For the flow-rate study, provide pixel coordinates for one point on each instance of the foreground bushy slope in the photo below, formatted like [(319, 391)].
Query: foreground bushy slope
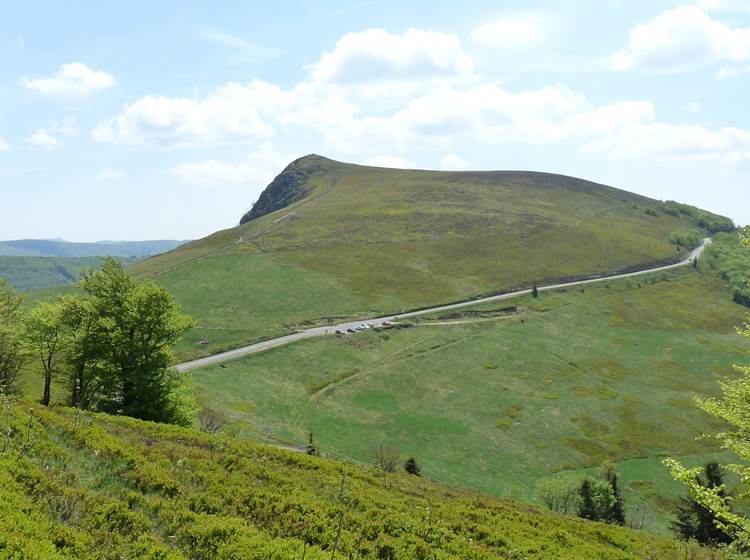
[(74, 486), (329, 239)]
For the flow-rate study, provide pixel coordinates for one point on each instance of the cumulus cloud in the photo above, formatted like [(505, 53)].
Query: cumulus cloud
[(75, 78), (47, 138), (390, 161), (675, 143), (227, 114), (43, 140), (453, 162), (681, 39), (375, 55), (258, 169), (508, 32), (328, 108)]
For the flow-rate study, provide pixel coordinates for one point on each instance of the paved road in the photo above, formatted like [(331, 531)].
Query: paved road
[(322, 331)]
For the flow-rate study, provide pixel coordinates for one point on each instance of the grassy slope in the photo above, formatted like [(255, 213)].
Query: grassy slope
[(34, 273), (97, 487), (373, 240), (577, 378)]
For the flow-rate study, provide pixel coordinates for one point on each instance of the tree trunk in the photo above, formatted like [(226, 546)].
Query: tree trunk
[(47, 384)]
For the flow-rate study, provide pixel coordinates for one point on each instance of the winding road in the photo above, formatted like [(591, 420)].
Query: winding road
[(378, 321)]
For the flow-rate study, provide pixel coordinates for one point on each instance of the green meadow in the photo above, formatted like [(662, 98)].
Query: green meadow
[(497, 399)]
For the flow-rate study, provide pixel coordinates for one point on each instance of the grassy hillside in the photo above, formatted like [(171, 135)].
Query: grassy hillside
[(34, 273), (93, 487), (60, 248), (497, 399), (342, 240)]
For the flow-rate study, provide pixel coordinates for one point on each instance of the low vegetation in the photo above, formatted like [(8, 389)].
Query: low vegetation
[(86, 486)]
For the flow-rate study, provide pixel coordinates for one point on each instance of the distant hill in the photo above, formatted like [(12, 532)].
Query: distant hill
[(34, 273), (61, 248), (332, 239)]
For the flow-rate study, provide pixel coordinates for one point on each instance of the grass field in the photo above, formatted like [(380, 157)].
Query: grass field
[(36, 273), (88, 487), (500, 401), (368, 240)]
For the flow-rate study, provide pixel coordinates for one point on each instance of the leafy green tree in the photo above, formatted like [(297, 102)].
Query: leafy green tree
[(118, 339), (694, 520), (734, 409), (597, 500), (47, 337), (137, 325), (412, 467), (560, 494), (12, 356)]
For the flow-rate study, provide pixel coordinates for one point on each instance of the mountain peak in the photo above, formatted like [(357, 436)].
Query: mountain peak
[(289, 186)]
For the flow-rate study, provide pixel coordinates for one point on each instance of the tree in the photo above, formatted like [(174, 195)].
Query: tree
[(118, 346), (587, 507), (385, 457), (535, 291), (46, 335), (734, 409), (597, 500), (616, 512), (412, 467), (12, 356), (211, 421), (311, 448), (560, 494), (694, 520)]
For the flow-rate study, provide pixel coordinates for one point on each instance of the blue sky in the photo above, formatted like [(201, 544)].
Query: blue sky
[(166, 119)]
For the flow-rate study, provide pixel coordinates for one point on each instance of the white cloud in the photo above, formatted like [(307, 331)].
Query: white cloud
[(675, 143), (47, 138), (109, 174), (508, 32), (258, 169), (43, 140), (75, 78), (439, 117), (681, 39), (228, 114), (375, 55), (453, 162), (390, 161), (4, 145), (725, 5)]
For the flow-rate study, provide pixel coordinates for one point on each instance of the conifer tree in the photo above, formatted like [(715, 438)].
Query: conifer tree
[(412, 467)]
